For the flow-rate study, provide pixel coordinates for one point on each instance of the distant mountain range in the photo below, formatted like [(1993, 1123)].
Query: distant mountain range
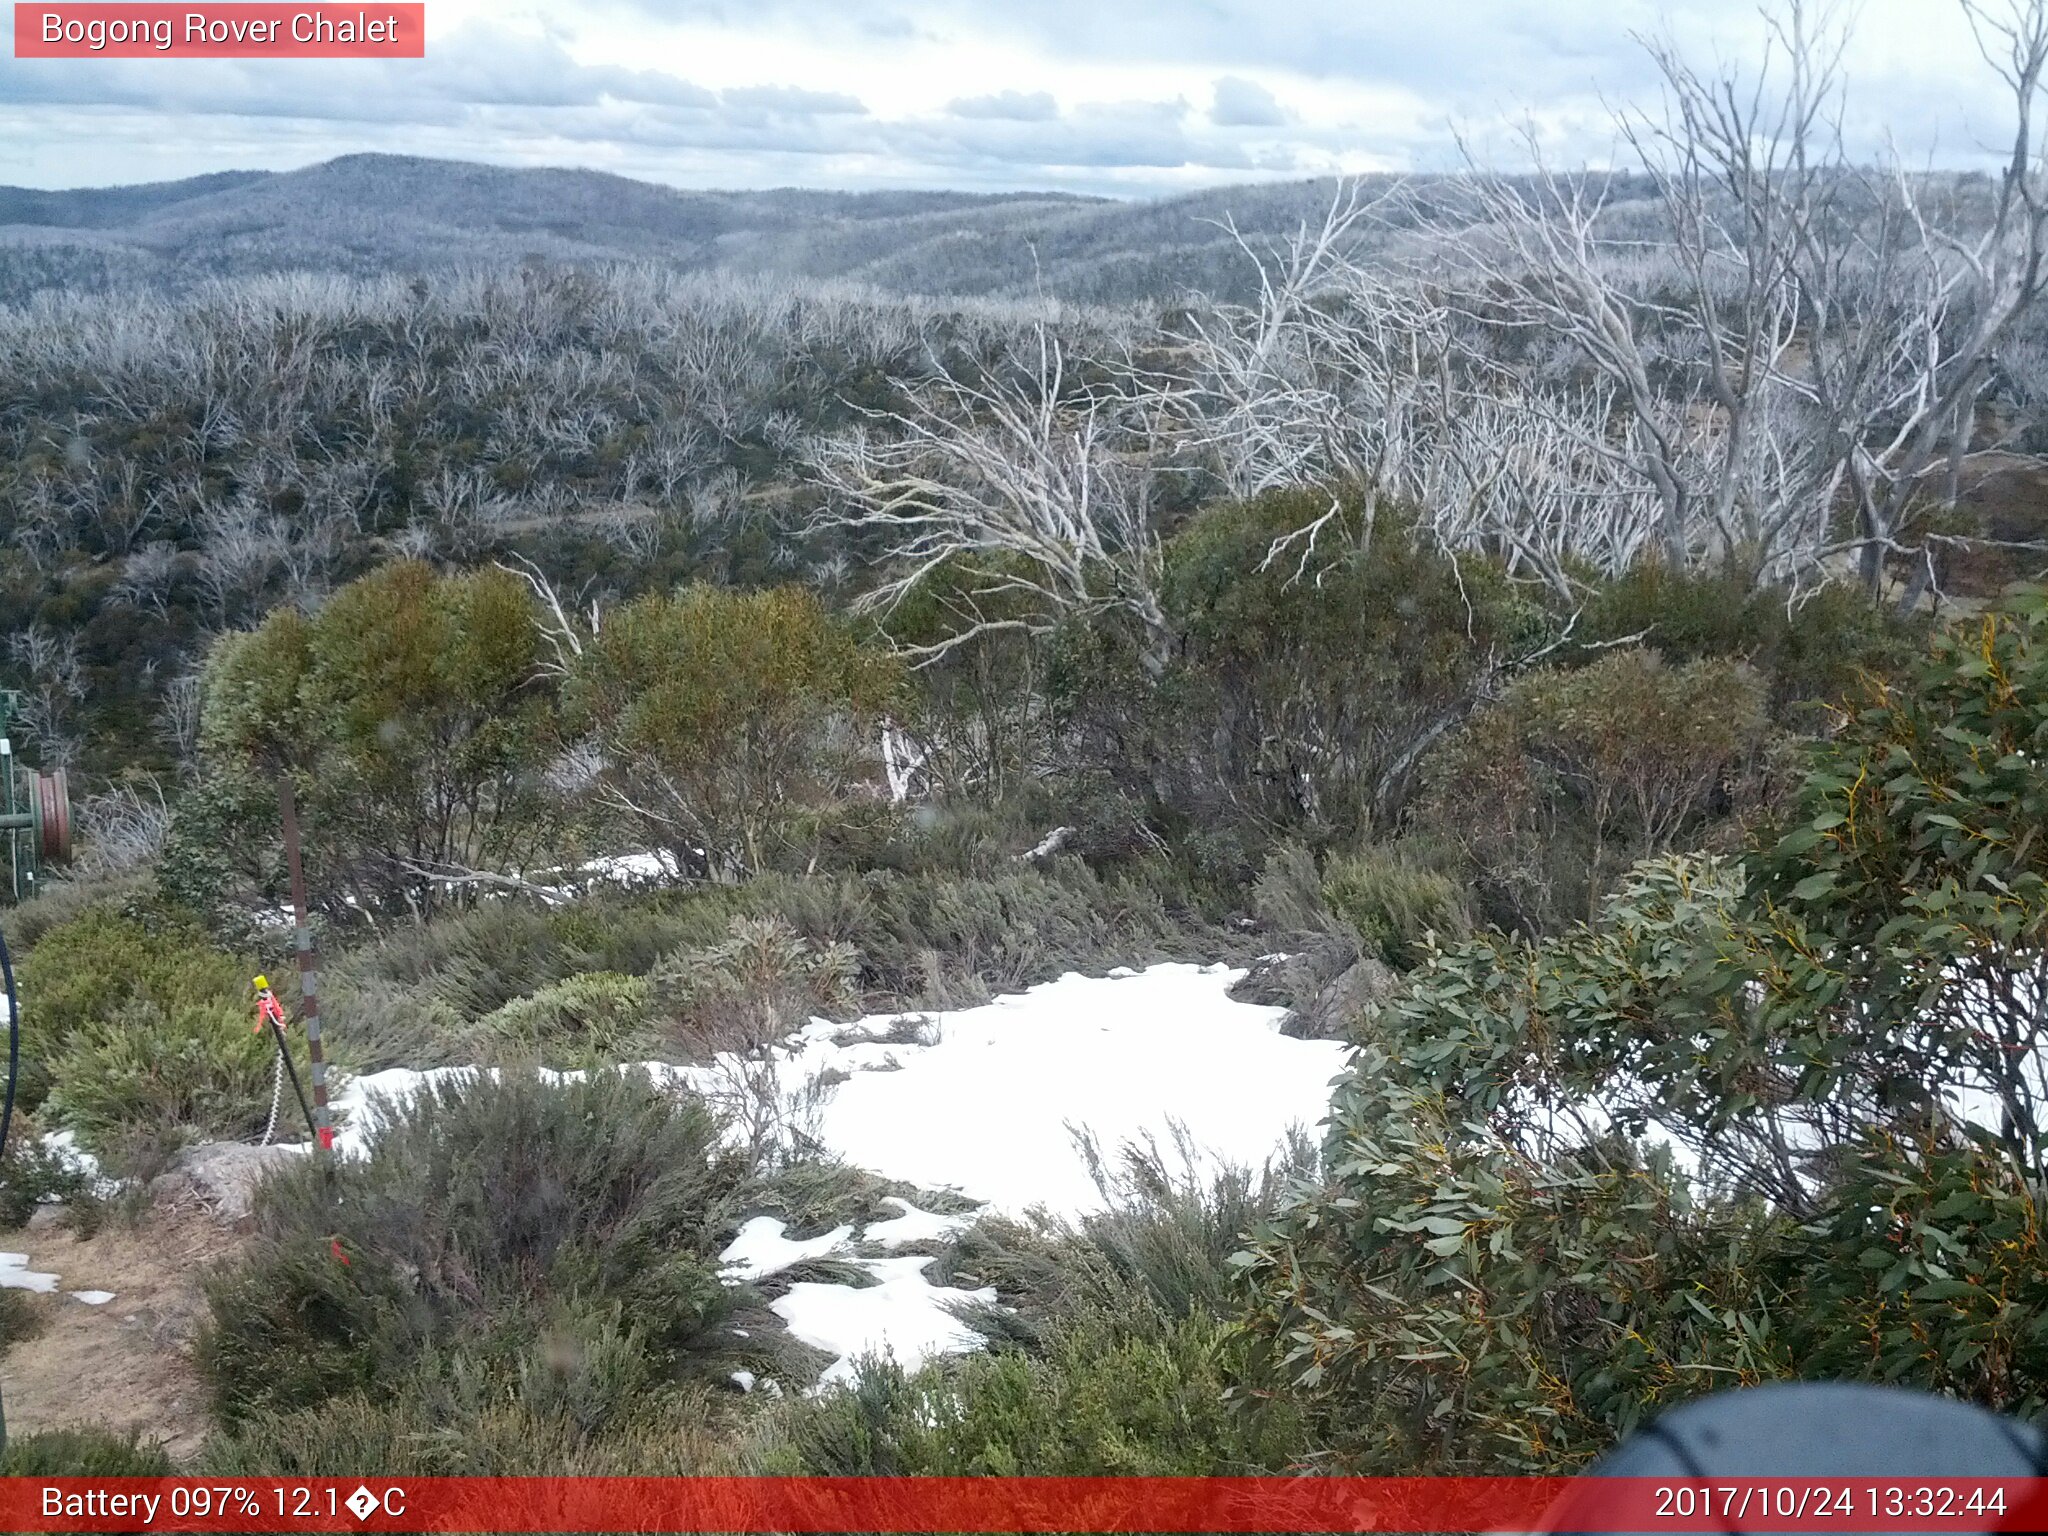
[(379, 214)]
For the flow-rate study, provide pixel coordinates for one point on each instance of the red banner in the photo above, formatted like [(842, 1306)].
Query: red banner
[(217, 31), (1023, 1504)]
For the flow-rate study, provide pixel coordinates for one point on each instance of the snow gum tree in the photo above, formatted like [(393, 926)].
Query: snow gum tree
[(1840, 1033), (732, 725), (410, 713)]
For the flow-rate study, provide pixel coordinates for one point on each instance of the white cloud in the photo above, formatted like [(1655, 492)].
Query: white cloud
[(1241, 103), (1069, 94), (1007, 106)]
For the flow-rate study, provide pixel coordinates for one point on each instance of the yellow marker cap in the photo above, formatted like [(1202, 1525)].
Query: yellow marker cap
[(262, 983)]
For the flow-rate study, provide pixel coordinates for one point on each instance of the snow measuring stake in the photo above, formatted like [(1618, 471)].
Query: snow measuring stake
[(269, 1011), (35, 813), (309, 964)]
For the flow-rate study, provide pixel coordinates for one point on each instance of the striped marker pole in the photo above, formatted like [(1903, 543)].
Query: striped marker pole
[(309, 965)]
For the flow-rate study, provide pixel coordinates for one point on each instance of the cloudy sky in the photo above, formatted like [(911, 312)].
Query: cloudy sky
[(1123, 97)]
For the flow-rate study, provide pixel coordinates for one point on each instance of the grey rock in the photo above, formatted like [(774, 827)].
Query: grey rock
[(1294, 979), (1338, 1008), (48, 1217), (220, 1176)]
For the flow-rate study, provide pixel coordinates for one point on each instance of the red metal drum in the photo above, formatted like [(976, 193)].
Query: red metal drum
[(53, 815)]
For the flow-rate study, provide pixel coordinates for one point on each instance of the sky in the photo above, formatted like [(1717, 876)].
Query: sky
[(1126, 98)]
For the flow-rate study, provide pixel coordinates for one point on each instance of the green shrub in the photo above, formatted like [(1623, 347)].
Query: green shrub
[(763, 981), (32, 1173), (60, 901), (1813, 651), (415, 722), (1574, 774), (586, 1019), (83, 1451), (1116, 1392), (1301, 687), (199, 1070), (147, 1027), (1482, 1281), (371, 1024), (495, 1227), (1494, 1275), (84, 969), (1391, 901), (736, 721)]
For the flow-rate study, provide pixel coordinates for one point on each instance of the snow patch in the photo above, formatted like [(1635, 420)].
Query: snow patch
[(63, 1145), (628, 868), (15, 1275), (761, 1249), (993, 1108), (94, 1298), (903, 1315), (915, 1226)]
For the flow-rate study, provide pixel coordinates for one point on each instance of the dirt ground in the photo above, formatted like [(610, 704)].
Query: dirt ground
[(128, 1363)]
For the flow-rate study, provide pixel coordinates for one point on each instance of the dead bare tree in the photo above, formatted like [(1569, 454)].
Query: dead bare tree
[(55, 683), (1810, 336), (1317, 380), (1032, 489)]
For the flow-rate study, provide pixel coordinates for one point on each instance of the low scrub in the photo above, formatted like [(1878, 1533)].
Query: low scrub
[(83, 1451), (580, 1022), (1113, 1355), (761, 982), (552, 1245), (1391, 901), (922, 941), (1575, 773), (145, 1026), (199, 1072), (453, 1435), (1124, 1391)]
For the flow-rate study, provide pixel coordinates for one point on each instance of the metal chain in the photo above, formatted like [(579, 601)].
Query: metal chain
[(276, 1098)]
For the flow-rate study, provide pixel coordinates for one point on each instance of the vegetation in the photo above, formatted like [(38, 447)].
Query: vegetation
[(730, 724), (144, 1028), (571, 1272), (1593, 709), (1838, 1030)]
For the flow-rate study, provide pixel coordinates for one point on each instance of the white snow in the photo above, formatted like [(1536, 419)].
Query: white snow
[(744, 1380), (915, 1226), (761, 1249), (64, 1146), (993, 1107), (94, 1298), (990, 1102), (15, 1275), (353, 1104), (659, 864), (904, 1315)]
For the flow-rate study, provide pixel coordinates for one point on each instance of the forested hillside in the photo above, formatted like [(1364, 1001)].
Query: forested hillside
[(1567, 647), (377, 215)]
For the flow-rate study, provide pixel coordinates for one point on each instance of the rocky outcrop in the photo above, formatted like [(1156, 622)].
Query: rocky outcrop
[(1323, 983), (218, 1176)]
